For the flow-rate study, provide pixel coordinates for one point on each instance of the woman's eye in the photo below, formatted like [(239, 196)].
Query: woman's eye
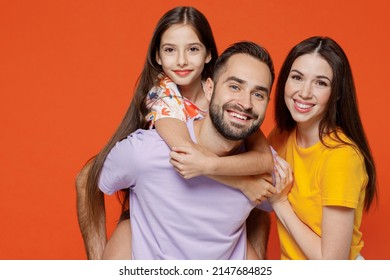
[(322, 83), (296, 77)]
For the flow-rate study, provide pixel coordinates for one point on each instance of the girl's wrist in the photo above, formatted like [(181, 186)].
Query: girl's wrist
[(211, 165)]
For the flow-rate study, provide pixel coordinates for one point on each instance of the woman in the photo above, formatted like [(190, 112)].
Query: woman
[(320, 134)]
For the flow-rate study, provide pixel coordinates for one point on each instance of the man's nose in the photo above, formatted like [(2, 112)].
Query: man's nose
[(245, 100)]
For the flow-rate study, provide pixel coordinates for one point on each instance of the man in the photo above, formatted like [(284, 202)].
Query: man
[(198, 218)]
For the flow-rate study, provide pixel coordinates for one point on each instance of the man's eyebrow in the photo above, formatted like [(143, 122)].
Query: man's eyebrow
[(241, 81), (236, 79)]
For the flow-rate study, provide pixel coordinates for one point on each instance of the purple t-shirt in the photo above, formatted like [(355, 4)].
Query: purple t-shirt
[(171, 217)]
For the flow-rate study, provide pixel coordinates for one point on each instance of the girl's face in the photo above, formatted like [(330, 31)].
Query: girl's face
[(182, 55), (308, 88)]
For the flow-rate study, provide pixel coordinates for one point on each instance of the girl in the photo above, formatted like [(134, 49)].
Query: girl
[(320, 135), (182, 52)]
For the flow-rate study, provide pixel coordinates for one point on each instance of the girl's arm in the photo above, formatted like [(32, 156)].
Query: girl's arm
[(257, 160), (174, 132), (195, 161), (194, 157), (337, 224)]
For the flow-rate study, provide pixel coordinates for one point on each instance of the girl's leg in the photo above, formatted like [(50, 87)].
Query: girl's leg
[(118, 246), (250, 252)]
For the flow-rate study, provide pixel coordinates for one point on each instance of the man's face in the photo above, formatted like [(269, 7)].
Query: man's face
[(240, 97)]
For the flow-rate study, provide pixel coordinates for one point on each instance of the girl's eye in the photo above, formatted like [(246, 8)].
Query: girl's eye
[(194, 49), (168, 50)]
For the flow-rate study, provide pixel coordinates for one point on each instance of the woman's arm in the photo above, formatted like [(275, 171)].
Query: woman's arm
[(337, 227), (337, 223)]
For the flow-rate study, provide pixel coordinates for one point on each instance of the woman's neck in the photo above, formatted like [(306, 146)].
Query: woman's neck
[(307, 135)]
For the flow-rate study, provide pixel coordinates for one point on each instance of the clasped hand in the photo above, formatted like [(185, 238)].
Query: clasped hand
[(191, 161)]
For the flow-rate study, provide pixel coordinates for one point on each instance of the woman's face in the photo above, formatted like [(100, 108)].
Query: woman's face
[(308, 88), (182, 55)]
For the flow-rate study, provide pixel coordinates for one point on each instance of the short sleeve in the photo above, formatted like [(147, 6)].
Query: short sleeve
[(165, 101), (343, 177), (120, 167)]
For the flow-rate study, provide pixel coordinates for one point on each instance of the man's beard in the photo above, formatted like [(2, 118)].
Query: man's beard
[(233, 131)]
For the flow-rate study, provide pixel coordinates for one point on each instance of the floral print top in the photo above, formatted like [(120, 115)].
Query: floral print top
[(165, 101)]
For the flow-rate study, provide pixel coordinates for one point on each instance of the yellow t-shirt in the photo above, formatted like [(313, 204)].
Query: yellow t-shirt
[(322, 177)]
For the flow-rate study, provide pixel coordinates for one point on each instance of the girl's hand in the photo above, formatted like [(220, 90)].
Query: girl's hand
[(283, 180), (191, 161), (258, 188)]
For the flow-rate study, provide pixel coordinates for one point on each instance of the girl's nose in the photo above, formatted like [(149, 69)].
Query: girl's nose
[(182, 59)]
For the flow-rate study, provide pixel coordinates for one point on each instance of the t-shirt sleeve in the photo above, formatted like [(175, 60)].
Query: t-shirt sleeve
[(120, 167), (165, 101), (343, 177)]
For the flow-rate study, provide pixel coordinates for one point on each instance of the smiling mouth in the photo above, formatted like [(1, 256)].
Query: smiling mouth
[(303, 106), (239, 116), (182, 72)]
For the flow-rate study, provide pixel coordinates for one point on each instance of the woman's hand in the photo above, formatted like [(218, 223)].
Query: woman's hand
[(192, 161), (258, 188), (283, 180)]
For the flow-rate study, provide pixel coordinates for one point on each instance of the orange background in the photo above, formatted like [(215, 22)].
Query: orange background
[(67, 70)]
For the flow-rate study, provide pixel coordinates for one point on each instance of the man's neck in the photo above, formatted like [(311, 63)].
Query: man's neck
[(208, 137)]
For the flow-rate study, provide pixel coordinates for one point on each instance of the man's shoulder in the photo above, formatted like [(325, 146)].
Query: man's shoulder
[(140, 141), (144, 138), (144, 135)]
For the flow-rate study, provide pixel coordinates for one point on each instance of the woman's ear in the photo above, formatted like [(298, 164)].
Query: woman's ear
[(208, 87), (158, 59)]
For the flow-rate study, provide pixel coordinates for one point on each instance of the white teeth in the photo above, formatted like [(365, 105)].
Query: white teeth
[(239, 116), (303, 106)]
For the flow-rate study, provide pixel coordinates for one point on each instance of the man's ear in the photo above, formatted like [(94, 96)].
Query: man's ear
[(208, 87), (158, 59)]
